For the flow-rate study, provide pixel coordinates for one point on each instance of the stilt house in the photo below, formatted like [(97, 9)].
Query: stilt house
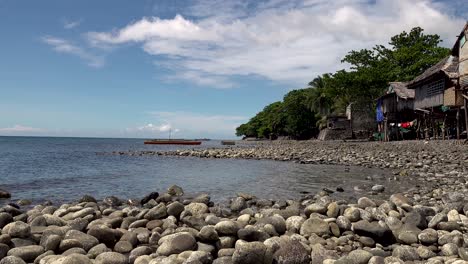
[(396, 106), (460, 50)]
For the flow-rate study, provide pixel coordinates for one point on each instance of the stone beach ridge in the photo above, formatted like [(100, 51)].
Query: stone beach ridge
[(427, 223)]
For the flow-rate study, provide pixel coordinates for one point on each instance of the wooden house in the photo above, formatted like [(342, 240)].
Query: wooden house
[(396, 106), (398, 103), (436, 98), (430, 86), (460, 50)]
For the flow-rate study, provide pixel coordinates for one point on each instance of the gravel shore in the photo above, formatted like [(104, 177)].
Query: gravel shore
[(427, 223)]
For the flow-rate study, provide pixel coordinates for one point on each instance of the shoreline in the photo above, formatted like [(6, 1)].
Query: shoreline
[(427, 223)]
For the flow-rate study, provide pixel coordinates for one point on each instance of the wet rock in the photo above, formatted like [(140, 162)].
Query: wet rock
[(238, 204), (374, 230), (175, 190), (112, 201), (400, 200), (199, 257), (176, 243), (27, 253), (12, 260), (251, 253), (320, 254), (353, 214), (405, 253), (428, 236), (157, 212), (343, 223), (104, 234), (175, 209), (294, 223), (17, 229), (208, 233), (291, 252), (197, 209), (111, 258), (251, 234), (4, 194), (87, 199), (449, 249), (365, 202), (227, 228), (87, 241), (202, 198), (147, 198), (315, 208), (3, 250), (277, 221), (73, 259), (139, 251), (123, 247), (437, 219), (5, 218), (355, 257), (425, 252), (66, 244), (314, 226), (378, 188), (97, 250), (415, 218), (463, 253)]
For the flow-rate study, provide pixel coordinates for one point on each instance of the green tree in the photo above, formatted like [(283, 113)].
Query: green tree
[(370, 70), (299, 119)]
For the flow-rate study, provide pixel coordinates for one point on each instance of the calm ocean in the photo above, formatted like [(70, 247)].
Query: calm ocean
[(64, 169)]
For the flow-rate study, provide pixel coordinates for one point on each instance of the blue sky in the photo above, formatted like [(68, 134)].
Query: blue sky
[(140, 68)]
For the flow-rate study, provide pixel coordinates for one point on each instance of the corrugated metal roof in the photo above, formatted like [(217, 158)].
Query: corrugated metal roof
[(448, 65)]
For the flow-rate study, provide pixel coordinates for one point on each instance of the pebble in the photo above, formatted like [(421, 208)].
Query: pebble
[(425, 222)]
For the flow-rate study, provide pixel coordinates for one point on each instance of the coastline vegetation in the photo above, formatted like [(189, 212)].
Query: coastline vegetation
[(302, 112)]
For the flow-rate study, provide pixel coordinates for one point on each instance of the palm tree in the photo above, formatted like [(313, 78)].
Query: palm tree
[(319, 101)]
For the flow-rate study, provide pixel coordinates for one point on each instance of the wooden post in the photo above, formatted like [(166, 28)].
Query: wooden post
[(466, 113), (458, 123), (443, 127), (386, 136), (426, 128), (418, 130)]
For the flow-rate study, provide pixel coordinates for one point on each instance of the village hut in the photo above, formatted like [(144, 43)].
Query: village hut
[(394, 108), (433, 93), (460, 50)]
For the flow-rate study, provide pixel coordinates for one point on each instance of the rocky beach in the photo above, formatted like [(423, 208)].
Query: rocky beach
[(427, 222)]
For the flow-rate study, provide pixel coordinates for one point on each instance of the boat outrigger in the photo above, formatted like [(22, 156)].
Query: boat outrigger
[(172, 142)]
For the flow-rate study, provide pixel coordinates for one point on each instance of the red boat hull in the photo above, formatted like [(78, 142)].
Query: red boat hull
[(172, 142)]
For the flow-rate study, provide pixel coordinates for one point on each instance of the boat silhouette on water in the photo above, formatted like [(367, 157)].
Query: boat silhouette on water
[(173, 142)]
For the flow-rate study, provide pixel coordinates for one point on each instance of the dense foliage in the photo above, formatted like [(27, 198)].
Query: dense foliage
[(302, 111)]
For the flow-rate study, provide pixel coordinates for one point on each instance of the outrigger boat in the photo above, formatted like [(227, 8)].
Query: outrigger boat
[(172, 142)]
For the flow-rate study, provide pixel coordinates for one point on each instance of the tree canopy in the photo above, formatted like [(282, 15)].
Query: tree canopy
[(301, 112)]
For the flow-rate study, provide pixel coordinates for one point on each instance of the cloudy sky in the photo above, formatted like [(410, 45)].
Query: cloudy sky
[(125, 68)]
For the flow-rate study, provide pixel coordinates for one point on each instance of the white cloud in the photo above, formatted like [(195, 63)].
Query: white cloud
[(203, 79), (201, 124), (65, 46), (190, 125), (154, 128), (71, 24), (20, 129), (286, 41)]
